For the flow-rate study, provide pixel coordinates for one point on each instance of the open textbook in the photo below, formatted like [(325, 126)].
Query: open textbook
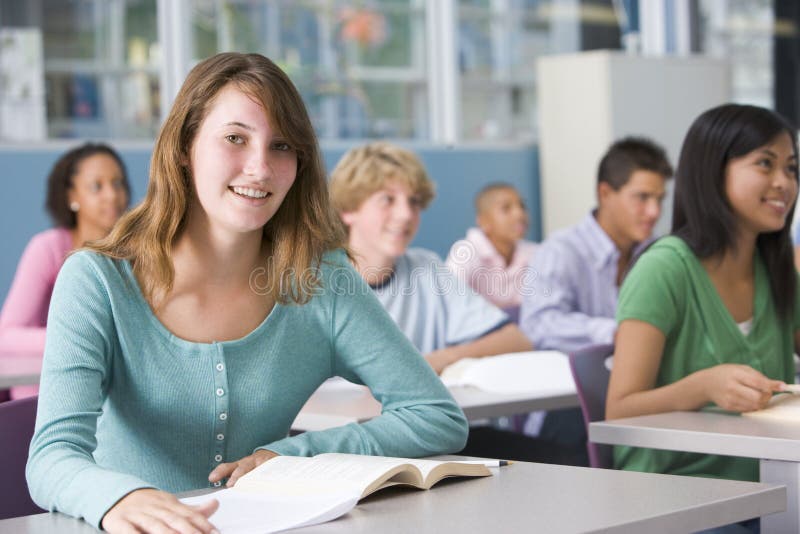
[(541, 371), (289, 491), (783, 406)]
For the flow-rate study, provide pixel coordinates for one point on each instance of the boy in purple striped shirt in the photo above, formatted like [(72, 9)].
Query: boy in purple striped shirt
[(578, 270)]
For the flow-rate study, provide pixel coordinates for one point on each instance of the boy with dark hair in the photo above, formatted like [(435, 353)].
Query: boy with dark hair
[(578, 270)]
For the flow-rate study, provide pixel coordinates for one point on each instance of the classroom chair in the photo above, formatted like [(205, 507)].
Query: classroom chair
[(513, 313), (591, 380), (17, 419)]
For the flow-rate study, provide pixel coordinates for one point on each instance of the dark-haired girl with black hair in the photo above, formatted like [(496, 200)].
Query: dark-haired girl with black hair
[(709, 314), (87, 191)]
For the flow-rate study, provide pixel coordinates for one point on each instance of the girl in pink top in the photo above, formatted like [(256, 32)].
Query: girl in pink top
[(493, 258), (87, 191)]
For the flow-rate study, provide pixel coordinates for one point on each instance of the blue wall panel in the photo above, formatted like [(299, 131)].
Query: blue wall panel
[(458, 172)]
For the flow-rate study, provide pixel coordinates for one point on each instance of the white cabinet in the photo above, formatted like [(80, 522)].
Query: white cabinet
[(589, 99), (22, 92)]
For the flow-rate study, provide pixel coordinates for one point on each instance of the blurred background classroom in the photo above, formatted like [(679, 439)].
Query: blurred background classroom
[(529, 92)]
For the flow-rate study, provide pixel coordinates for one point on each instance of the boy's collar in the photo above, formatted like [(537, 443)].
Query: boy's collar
[(383, 283)]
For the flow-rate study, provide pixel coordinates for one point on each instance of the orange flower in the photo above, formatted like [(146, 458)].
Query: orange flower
[(365, 26)]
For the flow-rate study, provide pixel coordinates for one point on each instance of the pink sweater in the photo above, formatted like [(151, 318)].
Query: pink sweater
[(24, 314), (475, 260)]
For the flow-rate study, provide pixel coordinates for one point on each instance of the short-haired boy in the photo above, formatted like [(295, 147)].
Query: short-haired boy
[(380, 190), (579, 269), (493, 257)]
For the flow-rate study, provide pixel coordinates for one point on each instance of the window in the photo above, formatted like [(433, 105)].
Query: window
[(359, 66), (439, 70), (741, 31), (98, 60), (498, 43)]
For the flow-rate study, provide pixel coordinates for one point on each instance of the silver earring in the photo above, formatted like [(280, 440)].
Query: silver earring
[(74, 206)]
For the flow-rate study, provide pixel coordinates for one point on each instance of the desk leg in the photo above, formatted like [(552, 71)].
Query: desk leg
[(787, 474)]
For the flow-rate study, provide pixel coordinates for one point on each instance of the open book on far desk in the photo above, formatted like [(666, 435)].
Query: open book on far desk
[(289, 492), (541, 371)]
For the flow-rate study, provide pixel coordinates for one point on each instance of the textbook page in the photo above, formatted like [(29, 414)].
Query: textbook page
[(783, 407), (288, 491), (539, 372), (246, 513), (320, 473), (361, 473)]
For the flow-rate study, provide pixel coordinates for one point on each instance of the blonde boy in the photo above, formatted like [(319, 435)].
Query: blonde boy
[(379, 191)]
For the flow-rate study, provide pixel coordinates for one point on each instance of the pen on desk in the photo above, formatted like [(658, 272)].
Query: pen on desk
[(489, 463)]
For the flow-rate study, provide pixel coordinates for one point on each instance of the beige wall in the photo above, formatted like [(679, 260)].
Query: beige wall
[(587, 100)]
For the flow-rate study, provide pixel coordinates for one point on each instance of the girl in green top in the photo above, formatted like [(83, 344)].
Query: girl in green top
[(709, 314)]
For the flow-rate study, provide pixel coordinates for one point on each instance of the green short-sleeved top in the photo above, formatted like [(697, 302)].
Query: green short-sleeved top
[(670, 289)]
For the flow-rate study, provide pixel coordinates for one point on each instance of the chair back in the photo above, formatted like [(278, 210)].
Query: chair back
[(513, 313), (17, 419), (591, 381)]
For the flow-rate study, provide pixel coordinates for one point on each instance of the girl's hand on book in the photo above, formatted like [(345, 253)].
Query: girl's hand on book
[(150, 510), (739, 388), (234, 470)]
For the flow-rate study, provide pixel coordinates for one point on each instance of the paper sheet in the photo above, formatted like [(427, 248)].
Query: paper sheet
[(522, 372), (243, 513), (783, 407)]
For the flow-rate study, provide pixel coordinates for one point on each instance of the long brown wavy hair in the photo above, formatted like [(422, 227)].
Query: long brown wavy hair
[(304, 227)]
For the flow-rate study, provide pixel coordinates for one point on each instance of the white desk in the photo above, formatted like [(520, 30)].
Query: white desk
[(527, 497), (335, 406), (19, 370), (775, 444)]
